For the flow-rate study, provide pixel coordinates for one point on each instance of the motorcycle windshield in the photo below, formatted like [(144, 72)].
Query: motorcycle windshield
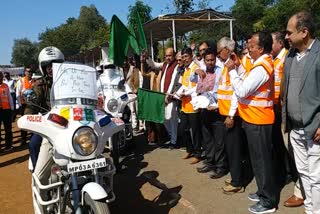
[(73, 84), (109, 79)]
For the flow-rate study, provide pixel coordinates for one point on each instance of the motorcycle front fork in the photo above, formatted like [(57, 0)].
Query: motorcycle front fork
[(76, 194)]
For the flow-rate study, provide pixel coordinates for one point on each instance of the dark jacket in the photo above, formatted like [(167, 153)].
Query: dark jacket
[(309, 95)]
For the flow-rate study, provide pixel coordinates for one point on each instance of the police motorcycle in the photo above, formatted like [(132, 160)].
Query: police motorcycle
[(81, 178), (112, 92)]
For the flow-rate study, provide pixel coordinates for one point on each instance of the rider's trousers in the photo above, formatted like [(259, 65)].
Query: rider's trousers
[(44, 163)]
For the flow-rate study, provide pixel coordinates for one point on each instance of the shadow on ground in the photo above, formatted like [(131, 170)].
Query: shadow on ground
[(128, 184)]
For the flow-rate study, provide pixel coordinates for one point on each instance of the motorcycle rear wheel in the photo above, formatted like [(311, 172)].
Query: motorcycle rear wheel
[(94, 207)]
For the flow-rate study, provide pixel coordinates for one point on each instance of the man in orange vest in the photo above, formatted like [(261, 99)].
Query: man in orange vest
[(255, 106), (246, 59), (24, 83), (230, 124), (6, 107), (189, 117)]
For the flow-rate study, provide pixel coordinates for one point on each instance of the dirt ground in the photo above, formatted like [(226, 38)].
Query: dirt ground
[(154, 181)]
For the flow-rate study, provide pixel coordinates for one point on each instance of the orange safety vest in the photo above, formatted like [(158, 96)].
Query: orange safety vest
[(278, 64), (186, 106), (258, 107), (25, 85), (224, 93), (247, 62), (4, 96)]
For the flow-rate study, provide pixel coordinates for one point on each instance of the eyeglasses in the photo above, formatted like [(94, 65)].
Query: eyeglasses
[(218, 53)]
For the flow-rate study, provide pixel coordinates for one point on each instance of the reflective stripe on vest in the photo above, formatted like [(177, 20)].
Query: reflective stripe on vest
[(224, 93), (4, 96), (278, 73), (186, 106), (258, 107)]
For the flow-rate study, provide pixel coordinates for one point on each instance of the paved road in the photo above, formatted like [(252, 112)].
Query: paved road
[(155, 181)]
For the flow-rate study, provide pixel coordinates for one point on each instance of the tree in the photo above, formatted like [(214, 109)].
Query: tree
[(276, 17), (24, 53), (247, 13), (144, 11), (183, 6), (88, 31)]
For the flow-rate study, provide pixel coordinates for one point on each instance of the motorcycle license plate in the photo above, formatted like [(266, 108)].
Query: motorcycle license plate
[(87, 165)]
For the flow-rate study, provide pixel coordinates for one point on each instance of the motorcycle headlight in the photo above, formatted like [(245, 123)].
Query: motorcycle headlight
[(112, 105), (84, 141)]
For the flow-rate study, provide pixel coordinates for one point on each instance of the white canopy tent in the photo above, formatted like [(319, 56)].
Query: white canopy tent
[(13, 71), (164, 26)]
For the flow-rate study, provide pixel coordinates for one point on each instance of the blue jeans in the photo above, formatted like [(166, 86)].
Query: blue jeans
[(34, 148)]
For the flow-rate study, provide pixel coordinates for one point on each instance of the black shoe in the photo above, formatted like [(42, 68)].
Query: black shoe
[(259, 209), (204, 169), (254, 197), (8, 147), (217, 174), (172, 146)]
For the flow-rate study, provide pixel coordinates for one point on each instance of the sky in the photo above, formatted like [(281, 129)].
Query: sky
[(27, 19)]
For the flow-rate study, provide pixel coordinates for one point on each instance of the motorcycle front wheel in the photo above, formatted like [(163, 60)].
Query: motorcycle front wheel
[(94, 207)]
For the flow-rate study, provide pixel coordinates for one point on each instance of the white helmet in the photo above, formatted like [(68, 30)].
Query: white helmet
[(47, 56)]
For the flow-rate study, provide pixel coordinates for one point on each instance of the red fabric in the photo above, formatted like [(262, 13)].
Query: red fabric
[(168, 76)]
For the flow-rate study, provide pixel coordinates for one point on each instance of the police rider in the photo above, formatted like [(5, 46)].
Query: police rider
[(39, 147)]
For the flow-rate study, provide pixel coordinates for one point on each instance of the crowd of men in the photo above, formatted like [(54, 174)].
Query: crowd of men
[(232, 112), (228, 110), (12, 102)]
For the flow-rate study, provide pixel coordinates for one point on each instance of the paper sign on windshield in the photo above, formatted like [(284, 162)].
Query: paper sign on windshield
[(74, 80)]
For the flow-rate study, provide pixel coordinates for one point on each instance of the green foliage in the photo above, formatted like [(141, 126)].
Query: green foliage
[(276, 17), (144, 11), (24, 53), (247, 13), (183, 6), (88, 31)]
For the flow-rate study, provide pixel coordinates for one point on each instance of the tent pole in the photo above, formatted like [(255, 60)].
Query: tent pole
[(231, 33), (174, 36), (151, 45)]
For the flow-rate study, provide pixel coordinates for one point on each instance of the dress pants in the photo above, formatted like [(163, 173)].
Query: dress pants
[(213, 137), (238, 155), (34, 148), (6, 118), (171, 125), (192, 121), (260, 148), (280, 153), (307, 157), (297, 191)]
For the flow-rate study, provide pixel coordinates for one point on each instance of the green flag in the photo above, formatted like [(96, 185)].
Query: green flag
[(142, 37), (120, 38), (133, 41), (151, 105)]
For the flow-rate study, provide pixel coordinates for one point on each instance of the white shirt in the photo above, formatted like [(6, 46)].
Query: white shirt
[(10, 84), (301, 55), (244, 87), (153, 64)]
